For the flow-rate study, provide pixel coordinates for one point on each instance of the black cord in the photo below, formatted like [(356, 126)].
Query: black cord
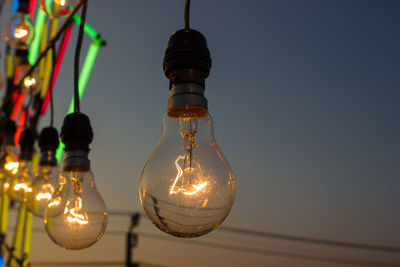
[(77, 57), (187, 15), (53, 52)]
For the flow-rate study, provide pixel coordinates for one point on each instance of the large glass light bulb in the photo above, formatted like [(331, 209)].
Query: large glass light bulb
[(76, 216), (187, 187), (57, 8), (19, 31), (43, 187)]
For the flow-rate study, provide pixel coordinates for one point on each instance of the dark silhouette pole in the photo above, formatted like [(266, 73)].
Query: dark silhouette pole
[(131, 241)]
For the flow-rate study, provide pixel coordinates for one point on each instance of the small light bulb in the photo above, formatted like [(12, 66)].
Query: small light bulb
[(19, 31), (32, 84), (57, 8), (45, 182), (76, 216)]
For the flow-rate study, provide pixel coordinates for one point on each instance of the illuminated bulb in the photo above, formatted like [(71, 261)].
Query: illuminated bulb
[(32, 83), (19, 31), (57, 8), (187, 187), (45, 181), (76, 216), (18, 184), (8, 156)]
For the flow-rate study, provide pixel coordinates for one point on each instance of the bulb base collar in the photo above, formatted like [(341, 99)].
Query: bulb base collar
[(48, 158), (26, 142), (187, 100), (23, 6), (76, 160)]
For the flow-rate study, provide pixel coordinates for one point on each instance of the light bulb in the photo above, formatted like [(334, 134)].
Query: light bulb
[(32, 83), (57, 8), (18, 185), (187, 187), (19, 31), (45, 181), (76, 216), (8, 156)]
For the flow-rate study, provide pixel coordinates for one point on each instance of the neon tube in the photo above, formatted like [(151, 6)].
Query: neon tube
[(32, 5), (83, 80), (49, 61), (14, 7), (17, 107), (57, 67), (18, 236), (27, 238), (4, 212), (34, 48), (20, 127), (89, 30)]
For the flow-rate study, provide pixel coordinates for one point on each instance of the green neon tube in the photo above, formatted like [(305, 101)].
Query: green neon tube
[(19, 230), (83, 80), (89, 30), (34, 48)]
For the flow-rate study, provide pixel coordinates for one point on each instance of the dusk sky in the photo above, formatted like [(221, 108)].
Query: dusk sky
[(305, 100)]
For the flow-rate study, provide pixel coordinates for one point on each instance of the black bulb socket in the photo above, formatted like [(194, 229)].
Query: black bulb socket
[(77, 132), (23, 6), (187, 64), (9, 129), (48, 143), (26, 143)]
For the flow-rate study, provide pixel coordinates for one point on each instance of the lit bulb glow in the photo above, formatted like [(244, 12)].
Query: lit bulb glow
[(180, 176), (187, 187), (29, 81), (12, 167), (42, 196), (23, 186), (73, 215), (76, 216), (20, 32)]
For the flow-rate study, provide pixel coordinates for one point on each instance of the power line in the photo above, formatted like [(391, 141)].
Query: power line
[(294, 238), (234, 248), (271, 252), (90, 263)]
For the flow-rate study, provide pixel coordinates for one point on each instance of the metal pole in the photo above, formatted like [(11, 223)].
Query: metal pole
[(131, 241)]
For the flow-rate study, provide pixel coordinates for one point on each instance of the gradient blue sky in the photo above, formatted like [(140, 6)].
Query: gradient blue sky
[(305, 100)]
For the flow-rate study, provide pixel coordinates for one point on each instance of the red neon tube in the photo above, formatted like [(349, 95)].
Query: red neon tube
[(57, 66), (32, 5), (20, 127)]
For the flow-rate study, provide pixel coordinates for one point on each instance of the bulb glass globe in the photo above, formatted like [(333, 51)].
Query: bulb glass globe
[(76, 216), (19, 31), (43, 187), (187, 187), (32, 83), (9, 166), (57, 8), (18, 185)]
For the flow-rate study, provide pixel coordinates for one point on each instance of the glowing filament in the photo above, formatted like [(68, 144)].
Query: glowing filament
[(61, 2), (29, 82), (73, 214), (20, 32), (198, 187), (20, 186), (54, 203), (12, 167), (41, 196)]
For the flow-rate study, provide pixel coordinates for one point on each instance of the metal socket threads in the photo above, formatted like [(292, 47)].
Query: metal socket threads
[(76, 134), (187, 64)]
